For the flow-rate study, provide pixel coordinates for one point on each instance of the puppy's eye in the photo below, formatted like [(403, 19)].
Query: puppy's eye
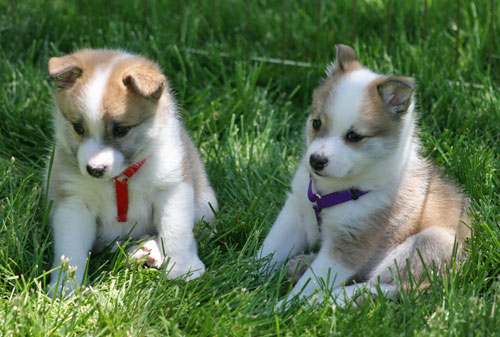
[(120, 131), (316, 124), (353, 137), (78, 127)]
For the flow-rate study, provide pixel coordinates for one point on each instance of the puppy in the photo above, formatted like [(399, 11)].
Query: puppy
[(123, 166), (382, 213)]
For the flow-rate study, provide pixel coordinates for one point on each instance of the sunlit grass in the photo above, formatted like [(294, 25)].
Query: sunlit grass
[(247, 118)]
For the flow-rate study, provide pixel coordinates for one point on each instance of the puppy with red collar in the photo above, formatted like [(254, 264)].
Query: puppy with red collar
[(124, 166), (379, 209)]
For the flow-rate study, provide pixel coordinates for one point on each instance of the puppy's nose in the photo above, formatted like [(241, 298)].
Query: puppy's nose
[(96, 172), (318, 162)]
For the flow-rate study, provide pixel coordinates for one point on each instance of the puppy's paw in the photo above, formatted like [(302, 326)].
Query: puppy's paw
[(62, 288), (188, 268), (298, 266), (148, 253), (63, 280), (191, 275)]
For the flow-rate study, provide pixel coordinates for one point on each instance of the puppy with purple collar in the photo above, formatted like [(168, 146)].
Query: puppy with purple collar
[(378, 208), (124, 166)]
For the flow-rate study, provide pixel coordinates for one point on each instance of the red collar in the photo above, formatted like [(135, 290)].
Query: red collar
[(122, 190)]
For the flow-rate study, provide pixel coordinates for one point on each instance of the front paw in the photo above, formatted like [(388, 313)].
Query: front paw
[(267, 263), (61, 285), (148, 253), (63, 280), (298, 266), (151, 254), (190, 268), (55, 290)]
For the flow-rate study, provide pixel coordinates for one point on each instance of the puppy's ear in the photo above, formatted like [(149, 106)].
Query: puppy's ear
[(64, 70), (345, 60), (396, 94), (145, 81)]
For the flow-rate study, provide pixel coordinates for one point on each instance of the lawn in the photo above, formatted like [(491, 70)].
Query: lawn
[(246, 114)]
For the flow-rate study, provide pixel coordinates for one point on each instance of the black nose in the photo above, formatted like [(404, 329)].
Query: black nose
[(318, 162), (96, 172)]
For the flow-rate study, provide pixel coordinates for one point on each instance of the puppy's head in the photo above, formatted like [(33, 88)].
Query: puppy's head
[(357, 120), (106, 106)]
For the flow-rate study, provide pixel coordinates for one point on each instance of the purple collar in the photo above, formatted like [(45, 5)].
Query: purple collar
[(332, 199)]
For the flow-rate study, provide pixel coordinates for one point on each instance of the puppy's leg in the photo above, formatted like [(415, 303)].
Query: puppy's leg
[(434, 244), (324, 274), (148, 252), (74, 231), (174, 219), (289, 234)]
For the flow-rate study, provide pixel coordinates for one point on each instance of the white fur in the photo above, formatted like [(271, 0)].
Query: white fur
[(344, 110), (158, 183), (93, 95), (94, 154), (345, 101), (324, 273), (74, 230), (296, 228), (161, 203), (91, 100)]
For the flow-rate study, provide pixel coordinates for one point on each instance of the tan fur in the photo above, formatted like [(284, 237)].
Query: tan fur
[(146, 82), (375, 123), (328, 87), (137, 73), (191, 164), (427, 209), (114, 109), (426, 200), (136, 84), (85, 59), (346, 59), (346, 62)]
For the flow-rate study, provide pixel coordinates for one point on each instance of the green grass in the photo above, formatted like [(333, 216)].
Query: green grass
[(247, 118)]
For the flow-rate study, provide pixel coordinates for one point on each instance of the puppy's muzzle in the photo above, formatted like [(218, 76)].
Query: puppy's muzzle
[(96, 172), (318, 162)]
